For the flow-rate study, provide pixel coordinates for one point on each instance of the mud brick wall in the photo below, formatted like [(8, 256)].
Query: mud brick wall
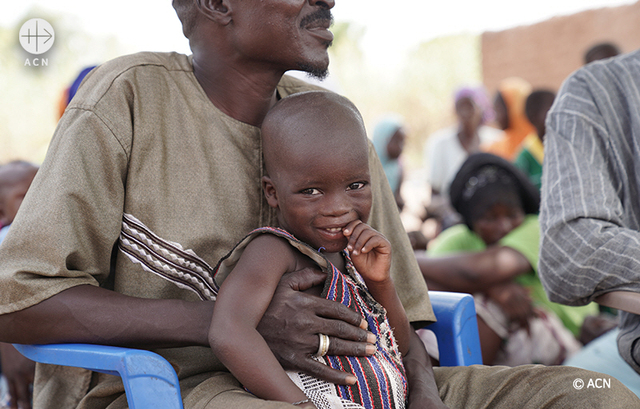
[(546, 53)]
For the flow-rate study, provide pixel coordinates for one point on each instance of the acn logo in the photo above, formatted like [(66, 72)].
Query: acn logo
[(36, 36)]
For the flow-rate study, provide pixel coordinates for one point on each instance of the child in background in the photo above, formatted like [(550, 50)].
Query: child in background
[(16, 371), (315, 151), (389, 137), (15, 179), (530, 157)]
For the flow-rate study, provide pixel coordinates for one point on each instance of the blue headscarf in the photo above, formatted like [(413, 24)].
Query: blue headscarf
[(382, 133)]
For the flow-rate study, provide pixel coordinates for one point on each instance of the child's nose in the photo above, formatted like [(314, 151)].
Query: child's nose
[(336, 205)]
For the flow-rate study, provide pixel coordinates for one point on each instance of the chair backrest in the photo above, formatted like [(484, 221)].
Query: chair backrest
[(456, 329)]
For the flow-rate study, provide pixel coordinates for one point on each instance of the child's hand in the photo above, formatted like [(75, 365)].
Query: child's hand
[(370, 251)]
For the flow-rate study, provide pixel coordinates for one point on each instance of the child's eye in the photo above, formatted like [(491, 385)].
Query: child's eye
[(356, 186), (310, 191)]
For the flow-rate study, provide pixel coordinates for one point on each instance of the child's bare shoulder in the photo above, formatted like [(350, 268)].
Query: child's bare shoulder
[(277, 250)]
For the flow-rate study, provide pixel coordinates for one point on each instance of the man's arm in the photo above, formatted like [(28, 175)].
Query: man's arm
[(94, 315), (589, 207), (423, 391), (90, 314)]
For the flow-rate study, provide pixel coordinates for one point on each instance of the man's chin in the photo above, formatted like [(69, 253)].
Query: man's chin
[(316, 72)]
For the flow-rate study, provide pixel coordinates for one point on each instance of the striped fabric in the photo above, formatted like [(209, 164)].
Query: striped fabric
[(590, 212), (381, 378)]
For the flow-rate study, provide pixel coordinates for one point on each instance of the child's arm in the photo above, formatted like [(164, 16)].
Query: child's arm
[(242, 300), (370, 252)]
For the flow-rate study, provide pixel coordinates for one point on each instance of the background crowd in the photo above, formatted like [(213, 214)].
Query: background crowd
[(476, 228)]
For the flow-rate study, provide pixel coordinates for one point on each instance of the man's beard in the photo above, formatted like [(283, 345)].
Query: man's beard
[(319, 73), (316, 72)]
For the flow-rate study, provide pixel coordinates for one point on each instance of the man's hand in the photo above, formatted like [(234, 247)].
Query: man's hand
[(19, 372), (370, 251), (291, 325)]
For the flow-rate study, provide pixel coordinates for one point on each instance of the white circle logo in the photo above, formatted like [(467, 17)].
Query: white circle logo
[(36, 36), (578, 383)]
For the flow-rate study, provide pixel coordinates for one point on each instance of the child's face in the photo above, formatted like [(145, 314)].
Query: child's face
[(11, 200), (396, 144), (317, 194)]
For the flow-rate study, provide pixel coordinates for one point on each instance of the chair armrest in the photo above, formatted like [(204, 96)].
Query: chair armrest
[(149, 380), (621, 300), (456, 329)]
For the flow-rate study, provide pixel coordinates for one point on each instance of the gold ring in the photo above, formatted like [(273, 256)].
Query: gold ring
[(323, 347)]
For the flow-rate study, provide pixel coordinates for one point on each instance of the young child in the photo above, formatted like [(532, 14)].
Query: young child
[(316, 156), (15, 179), (531, 155)]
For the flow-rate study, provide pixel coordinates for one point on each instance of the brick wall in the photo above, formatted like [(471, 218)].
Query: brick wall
[(546, 53)]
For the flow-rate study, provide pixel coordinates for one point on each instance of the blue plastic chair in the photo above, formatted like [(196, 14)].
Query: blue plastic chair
[(150, 382), (456, 329)]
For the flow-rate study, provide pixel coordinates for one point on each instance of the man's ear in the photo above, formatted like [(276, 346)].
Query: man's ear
[(216, 10), (270, 191)]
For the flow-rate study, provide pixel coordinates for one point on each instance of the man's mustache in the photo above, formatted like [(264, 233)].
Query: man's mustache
[(320, 15)]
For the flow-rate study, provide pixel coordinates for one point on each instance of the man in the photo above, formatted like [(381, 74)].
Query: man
[(155, 171), (590, 215)]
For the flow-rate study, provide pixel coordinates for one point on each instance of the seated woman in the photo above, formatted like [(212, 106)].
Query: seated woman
[(494, 255)]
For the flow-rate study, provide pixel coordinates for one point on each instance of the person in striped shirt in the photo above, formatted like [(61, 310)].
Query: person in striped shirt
[(590, 213)]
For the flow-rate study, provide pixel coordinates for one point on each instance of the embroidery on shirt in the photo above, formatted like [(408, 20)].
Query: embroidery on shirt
[(166, 259)]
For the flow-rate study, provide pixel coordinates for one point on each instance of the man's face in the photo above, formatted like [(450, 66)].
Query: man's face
[(288, 34)]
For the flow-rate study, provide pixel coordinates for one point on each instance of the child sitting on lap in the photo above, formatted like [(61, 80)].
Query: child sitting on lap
[(316, 156)]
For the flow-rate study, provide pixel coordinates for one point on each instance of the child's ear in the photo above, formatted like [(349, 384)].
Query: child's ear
[(270, 191)]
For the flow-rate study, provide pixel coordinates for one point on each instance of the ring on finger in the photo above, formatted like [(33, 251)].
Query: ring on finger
[(323, 347)]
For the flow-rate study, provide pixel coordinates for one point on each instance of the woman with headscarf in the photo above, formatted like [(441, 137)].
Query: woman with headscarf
[(509, 107), (494, 255), (448, 148), (388, 138)]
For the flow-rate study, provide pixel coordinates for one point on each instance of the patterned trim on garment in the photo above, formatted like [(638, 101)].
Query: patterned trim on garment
[(381, 378), (166, 259)]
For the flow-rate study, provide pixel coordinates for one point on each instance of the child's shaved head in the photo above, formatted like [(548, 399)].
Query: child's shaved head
[(309, 124)]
